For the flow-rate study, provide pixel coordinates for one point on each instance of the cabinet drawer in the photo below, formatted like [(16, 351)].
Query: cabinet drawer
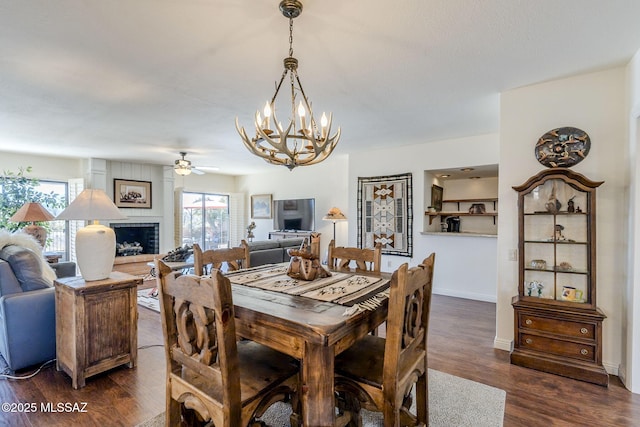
[(560, 327), (558, 347)]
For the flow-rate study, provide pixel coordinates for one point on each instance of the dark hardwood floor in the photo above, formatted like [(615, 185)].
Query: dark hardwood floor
[(460, 343)]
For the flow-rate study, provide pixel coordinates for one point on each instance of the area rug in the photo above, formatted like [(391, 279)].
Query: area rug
[(147, 299), (385, 213), (453, 402)]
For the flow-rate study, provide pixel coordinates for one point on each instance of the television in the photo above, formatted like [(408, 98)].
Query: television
[(294, 214)]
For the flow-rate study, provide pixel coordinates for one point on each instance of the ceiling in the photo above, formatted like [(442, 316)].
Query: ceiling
[(142, 80)]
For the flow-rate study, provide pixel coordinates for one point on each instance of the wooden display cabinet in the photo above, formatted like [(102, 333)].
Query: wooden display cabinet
[(558, 326)]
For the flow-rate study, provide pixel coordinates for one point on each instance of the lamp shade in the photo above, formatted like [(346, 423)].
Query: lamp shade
[(90, 205), (32, 212), (334, 214), (95, 243)]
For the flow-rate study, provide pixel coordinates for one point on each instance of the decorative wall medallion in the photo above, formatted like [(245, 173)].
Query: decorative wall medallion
[(562, 147)]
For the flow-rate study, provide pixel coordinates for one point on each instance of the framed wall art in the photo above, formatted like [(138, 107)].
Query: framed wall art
[(385, 213), (436, 197), (261, 206), (132, 194)]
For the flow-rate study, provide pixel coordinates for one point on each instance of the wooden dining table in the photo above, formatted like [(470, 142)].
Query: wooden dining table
[(308, 329)]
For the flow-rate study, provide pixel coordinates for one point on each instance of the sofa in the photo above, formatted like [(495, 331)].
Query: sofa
[(277, 250), (271, 251), (27, 306)]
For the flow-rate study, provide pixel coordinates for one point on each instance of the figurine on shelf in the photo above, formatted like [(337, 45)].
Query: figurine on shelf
[(558, 232), (578, 210), (540, 287), (570, 205), (553, 205), (530, 287), (250, 229)]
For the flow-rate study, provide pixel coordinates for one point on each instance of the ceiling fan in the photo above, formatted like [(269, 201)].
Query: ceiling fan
[(183, 166)]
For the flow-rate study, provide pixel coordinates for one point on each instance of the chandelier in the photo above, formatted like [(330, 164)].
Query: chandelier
[(303, 141)]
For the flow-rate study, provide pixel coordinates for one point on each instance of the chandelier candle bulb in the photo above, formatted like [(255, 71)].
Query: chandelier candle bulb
[(267, 115), (301, 113), (323, 123)]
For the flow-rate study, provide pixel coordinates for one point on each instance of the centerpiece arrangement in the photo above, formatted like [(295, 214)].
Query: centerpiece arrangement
[(305, 265)]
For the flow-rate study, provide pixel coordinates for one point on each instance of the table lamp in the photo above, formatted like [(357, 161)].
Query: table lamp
[(334, 215), (33, 212), (95, 243)]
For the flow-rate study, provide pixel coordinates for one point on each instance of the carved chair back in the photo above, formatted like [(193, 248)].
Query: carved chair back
[(204, 360), (379, 375), (227, 259), (365, 259)]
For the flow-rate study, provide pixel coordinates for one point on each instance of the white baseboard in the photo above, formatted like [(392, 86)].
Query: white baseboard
[(464, 294), (503, 344), (612, 369)]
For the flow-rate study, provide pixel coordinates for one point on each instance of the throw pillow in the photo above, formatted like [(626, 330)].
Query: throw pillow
[(26, 267)]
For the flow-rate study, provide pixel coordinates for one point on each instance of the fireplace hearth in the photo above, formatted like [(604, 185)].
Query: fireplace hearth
[(136, 238)]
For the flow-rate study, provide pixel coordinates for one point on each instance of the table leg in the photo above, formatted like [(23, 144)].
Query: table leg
[(317, 386)]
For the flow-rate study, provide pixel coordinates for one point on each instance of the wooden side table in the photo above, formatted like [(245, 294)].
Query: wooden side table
[(96, 325)]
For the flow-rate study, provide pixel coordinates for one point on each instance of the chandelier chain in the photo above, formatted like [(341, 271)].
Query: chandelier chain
[(290, 36)]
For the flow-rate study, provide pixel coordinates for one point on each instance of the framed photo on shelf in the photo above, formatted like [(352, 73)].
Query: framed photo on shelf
[(261, 206), (436, 197), (132, 194)]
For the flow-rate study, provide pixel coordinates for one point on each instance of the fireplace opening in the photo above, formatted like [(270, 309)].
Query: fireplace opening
[(136, 238)]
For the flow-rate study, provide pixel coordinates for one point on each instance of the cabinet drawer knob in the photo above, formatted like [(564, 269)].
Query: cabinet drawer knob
[(584, 352), (528, 340), (583, 330), (528, 321)]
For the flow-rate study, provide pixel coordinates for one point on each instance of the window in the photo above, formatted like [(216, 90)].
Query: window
[(15, 190), (205, 220), (57, 234)]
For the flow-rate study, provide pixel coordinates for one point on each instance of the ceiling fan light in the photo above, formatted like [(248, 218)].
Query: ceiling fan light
[(182, 170), (182, 167)]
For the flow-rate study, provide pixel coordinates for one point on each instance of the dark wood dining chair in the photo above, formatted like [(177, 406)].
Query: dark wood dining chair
[(226, 259), (365, 259), (211, 377), (377, 373)]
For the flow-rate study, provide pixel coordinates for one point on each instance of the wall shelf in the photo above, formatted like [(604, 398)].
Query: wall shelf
[(444, 214)]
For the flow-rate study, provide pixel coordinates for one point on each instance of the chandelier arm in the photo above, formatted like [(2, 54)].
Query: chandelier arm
[(251, 147), (293, 100), (304, 96), (326, 152), (273, 99), (281, 143)]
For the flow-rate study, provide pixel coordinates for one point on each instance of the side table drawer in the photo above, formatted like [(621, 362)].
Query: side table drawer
[(558, 347), (555, 326)]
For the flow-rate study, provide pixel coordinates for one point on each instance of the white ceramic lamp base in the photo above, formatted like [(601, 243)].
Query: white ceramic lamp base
[(95, 251)]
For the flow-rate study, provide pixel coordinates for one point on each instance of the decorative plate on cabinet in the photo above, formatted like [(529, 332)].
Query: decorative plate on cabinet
[(562, 147)]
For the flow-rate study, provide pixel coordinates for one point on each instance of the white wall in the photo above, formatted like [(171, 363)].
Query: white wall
[(594, 103), (478, 254), (334, 182), (207, 183), (47, 168), (630, 369)]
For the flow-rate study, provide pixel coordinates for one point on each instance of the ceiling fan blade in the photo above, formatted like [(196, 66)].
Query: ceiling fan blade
[(197, 171)]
